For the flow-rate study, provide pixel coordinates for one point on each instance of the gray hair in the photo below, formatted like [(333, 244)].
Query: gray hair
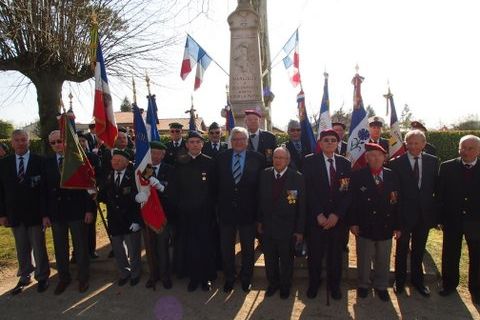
[(284, 148), (18, 132), (53, 132), (239, 130), (293, 124), (469, 137), (415, 133)]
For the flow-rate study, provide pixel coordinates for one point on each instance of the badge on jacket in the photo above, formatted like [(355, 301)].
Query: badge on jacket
[(126, 190), (204, 176), (292, 196), (34, 181), (393, 197), (344, 183)]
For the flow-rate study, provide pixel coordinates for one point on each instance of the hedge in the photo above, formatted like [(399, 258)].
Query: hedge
[(446, 142)]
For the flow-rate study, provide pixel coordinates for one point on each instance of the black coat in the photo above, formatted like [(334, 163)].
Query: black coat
[(343, 148), (285, 215), (430, 149), (237, 204), (122, 209), (296, 158), (92, 142), (383, 142), (105, 156), (319, 198), (64, 205), (172, 152), (267, 142), (417, 203), (459, 197), (22, 203), (209, 151), (165, 175), (374, 211)]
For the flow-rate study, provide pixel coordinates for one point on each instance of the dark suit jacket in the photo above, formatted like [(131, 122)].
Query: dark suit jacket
[(343, 148), (22, 203), (172, 152), (296, 158), (237, 203), (64, 205), (459, 198), (284, 216), (318, 188), (375, 212), (383, 142), (92, 142), (164, 175), (208, 150), (430, 148), (105, 156), (267, 142), (417, 204), (122, 209)]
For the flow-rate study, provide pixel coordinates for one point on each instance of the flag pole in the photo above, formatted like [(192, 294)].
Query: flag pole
[(147, 79), (134, 89), (215, 61)]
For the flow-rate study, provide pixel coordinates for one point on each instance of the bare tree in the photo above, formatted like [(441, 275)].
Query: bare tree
[(49, 41)]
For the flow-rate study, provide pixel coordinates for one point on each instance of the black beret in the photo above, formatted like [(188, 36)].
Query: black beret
[(214, 125), (175, 125), (122, 153), (194, 134), (329, 132)]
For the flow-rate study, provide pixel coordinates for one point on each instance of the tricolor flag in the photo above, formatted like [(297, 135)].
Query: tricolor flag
[(152, 119), (359, 133), (105, 126), (396, 146), (194, 55), (291, 60), (324, 121), (152, 210), (77, 172), (230, 120), (307, 137)]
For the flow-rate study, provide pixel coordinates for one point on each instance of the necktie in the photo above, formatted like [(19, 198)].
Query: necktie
[(215, 147), (467, 166), (298, 146), (253, 135), (60, 164), (332, 174), (21, 170), (250, 141), (155, 171), (237, 169), (278, 176), (378, 182), (416, 171), (117, 180)]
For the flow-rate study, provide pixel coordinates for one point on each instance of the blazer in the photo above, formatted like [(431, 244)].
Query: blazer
[(267, 142), (417, 204), (63, 205), (22, 203), (374, 211), (172, 152), (237, 203), (164, 175), (208, 150), (296, 158), (284, 216), (319, 196), (343, 148)]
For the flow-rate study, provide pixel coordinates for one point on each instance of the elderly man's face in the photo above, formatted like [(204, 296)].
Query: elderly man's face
[(214, 135), (328, 144), (175, 134), (469, 150), (280, 160), (252, 122), (375, 159), (20, 143), (157, 156), (239, 142), (56, 142), (415, 145), (122, 141), (339, 130), (294, 133), (119, 162)]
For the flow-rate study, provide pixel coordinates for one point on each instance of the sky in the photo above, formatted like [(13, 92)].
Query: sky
[(427, 51)]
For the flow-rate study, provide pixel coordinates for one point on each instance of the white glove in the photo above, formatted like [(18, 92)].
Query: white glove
[(91, 191), (156, 184), (134, 227), (141, 197)]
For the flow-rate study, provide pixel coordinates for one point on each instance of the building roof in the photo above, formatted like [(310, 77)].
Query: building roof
[(126, 119)]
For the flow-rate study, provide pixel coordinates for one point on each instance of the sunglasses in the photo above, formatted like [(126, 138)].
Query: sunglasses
[(175, 130), (53, 142), (295, 130), (330, 140), (214, 132)]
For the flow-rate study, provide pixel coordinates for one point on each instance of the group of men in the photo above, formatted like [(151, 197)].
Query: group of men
[(284, 196)]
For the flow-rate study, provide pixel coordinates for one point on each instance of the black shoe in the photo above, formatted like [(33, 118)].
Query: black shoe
[(19, 287), (134, 281), (336, 294), (362, 292), (111, 254), (192, 286), (122, 282), (167, 283), (228, 286), (271, 291), (383, 295), (398, 288), (83, 286), (422, 289), (446, 291), (150, 284), (42, 285), (206, 286), (312, 292), (284, 293), (61, 286), (94, 256), (246, 286), (475, 299)]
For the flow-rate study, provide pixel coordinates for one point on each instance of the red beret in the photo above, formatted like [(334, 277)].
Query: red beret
[(328, 132), (253, 111), (374, 146)]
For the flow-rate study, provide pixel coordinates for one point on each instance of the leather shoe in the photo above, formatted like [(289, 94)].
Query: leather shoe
[(42, 285), (83, 286), (362, 292), (284, 293), (228, 286), (206, 286), (312, 292), (167, 283), (61, 286), (150, 284), (192, 286), (422, 289), (111, 254), (398, 288), (446, 291), (246, 286), (122, 282), (134, 281), (336, 294), (475, 299), (383, 295), (271, 291), (94, 256), (19, 287)]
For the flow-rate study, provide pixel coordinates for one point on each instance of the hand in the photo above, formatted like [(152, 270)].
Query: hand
[(259, 228), (134, 227), (46, 223), (397, 234), (321, 220), (88, 217), (92, 193), (156, 184), (4, 221), (439, 227), (354, 230), (141, 197), (331, 221), (298, 237)]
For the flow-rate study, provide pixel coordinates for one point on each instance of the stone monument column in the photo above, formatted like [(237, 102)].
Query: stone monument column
[(245, 65)]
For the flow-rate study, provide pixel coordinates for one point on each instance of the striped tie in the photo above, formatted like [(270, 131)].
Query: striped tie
[(21, 170), (237, 169)]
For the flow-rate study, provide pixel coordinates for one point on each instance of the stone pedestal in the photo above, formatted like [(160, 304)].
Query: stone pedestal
[(245, 65)]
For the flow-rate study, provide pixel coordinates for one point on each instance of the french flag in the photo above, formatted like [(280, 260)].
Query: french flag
[(152, 211), (324, 121), (152, 119), (359, 133), (396, 146), (194, 55), (105, 125), (292, 59)]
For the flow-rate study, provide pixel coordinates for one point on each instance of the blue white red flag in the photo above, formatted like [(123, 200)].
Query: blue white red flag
[(194, 55), (359, 133), (324, 120), (396, 146), (292, 59), (307, 137), (152, 119)]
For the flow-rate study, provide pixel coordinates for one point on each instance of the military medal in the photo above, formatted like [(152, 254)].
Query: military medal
[(292, 196), (393, 197), (344, 182), (204, 176)]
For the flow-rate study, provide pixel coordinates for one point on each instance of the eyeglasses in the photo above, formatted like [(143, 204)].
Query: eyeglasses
[(295, 130), (53, 142), (214, 132), (239, 139), (175, 130), (330, 140)]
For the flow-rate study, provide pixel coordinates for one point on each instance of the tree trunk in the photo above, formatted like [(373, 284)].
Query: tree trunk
[(49, 93)]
